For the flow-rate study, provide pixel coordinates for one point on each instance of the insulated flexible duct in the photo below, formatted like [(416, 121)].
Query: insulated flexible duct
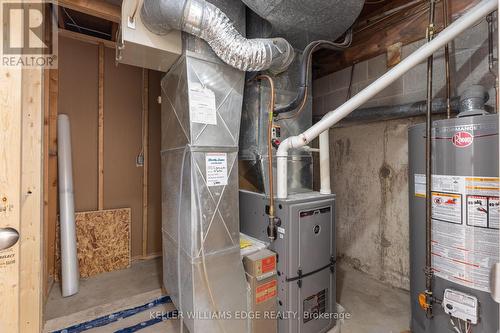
[(206, 21)]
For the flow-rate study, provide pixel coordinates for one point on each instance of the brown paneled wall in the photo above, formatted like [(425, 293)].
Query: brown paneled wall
[(78, 97), (154, 200)]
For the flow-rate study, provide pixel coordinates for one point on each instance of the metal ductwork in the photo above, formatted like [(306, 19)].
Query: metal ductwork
[(206, 21), (472, 101), (301, 22)]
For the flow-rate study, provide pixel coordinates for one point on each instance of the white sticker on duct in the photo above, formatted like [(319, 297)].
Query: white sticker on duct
[(202, 105), (281, 230), (216, 169)]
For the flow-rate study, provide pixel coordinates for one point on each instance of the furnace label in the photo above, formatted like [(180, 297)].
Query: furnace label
[(202, 105), (266, 291), (465, 235), (216, 169)]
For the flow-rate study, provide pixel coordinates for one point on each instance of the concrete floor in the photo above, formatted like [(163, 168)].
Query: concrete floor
[(141, 277), (374, 307)]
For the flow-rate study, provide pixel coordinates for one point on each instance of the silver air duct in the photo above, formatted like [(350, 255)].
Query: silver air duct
[(206, 21), (301, 22)]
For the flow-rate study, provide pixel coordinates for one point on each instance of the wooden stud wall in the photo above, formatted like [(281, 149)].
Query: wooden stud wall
[(21, 198), (100, 194), (31, 201), (10, 192), (145, 168)]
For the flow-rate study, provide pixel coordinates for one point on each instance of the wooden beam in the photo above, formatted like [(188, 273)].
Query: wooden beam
[(371, 40), (51, 175), (10, 191), (31, 278), (100, 194), (145, 168), (86, 38), (45, 223), (97, 8)]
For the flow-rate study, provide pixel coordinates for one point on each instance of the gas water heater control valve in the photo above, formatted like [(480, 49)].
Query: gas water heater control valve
[(461, 306)]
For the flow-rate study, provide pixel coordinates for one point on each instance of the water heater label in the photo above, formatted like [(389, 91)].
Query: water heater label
[(202, 107), (216, 169), (465, 229)]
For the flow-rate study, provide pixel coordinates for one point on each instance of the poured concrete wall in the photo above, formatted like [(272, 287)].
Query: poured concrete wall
[(370, 162)]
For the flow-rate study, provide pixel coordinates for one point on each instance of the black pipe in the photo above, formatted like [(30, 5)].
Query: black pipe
[(305, 69), (393, 112)]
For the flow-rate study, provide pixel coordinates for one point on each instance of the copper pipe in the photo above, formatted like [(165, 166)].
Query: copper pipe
[(428, 171), (447, 62), (491, 58), (270, 150)]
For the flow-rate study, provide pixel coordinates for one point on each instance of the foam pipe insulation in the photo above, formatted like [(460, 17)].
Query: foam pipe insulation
[(206, 21), (69, 262)]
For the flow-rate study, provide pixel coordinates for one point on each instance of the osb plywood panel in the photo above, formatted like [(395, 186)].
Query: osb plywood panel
[(103, 239)]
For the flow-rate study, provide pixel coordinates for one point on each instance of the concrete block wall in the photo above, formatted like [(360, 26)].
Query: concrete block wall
[(469, 65), (370, 162)]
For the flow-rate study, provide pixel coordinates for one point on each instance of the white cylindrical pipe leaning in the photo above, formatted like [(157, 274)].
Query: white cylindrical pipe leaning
[(69, 261), (331, 118), (324, 162)]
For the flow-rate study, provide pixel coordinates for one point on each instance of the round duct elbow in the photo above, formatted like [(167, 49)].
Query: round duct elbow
[(206, 21), (162, 16)]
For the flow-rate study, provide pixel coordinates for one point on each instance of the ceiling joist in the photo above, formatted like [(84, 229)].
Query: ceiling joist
[(97, 8)]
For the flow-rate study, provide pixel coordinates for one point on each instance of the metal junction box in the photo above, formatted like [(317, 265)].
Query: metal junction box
[(305, 250)]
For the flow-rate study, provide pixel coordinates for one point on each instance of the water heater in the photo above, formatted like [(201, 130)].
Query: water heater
[(465, 220)]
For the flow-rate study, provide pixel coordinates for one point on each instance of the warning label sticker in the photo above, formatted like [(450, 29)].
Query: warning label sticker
[(202, 105), (266, 291), (447, 207), (465, 235), (7, 258), (216, 169)]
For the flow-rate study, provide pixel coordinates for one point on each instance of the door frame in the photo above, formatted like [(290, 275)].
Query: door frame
[(21, 193)]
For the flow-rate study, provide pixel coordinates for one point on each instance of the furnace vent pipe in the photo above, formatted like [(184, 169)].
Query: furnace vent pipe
[(324, 162), (69, 261), (204, 20), (331, 118)]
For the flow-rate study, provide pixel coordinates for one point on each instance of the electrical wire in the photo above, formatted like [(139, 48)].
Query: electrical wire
[(72, 20), (349, 90), (458, 330)]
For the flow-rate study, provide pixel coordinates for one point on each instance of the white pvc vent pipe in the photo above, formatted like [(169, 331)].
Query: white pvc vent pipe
[(69, 261), (331, 118), (324, 162)]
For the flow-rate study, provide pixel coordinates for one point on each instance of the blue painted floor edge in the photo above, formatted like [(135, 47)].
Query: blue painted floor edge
[(114, 317)]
